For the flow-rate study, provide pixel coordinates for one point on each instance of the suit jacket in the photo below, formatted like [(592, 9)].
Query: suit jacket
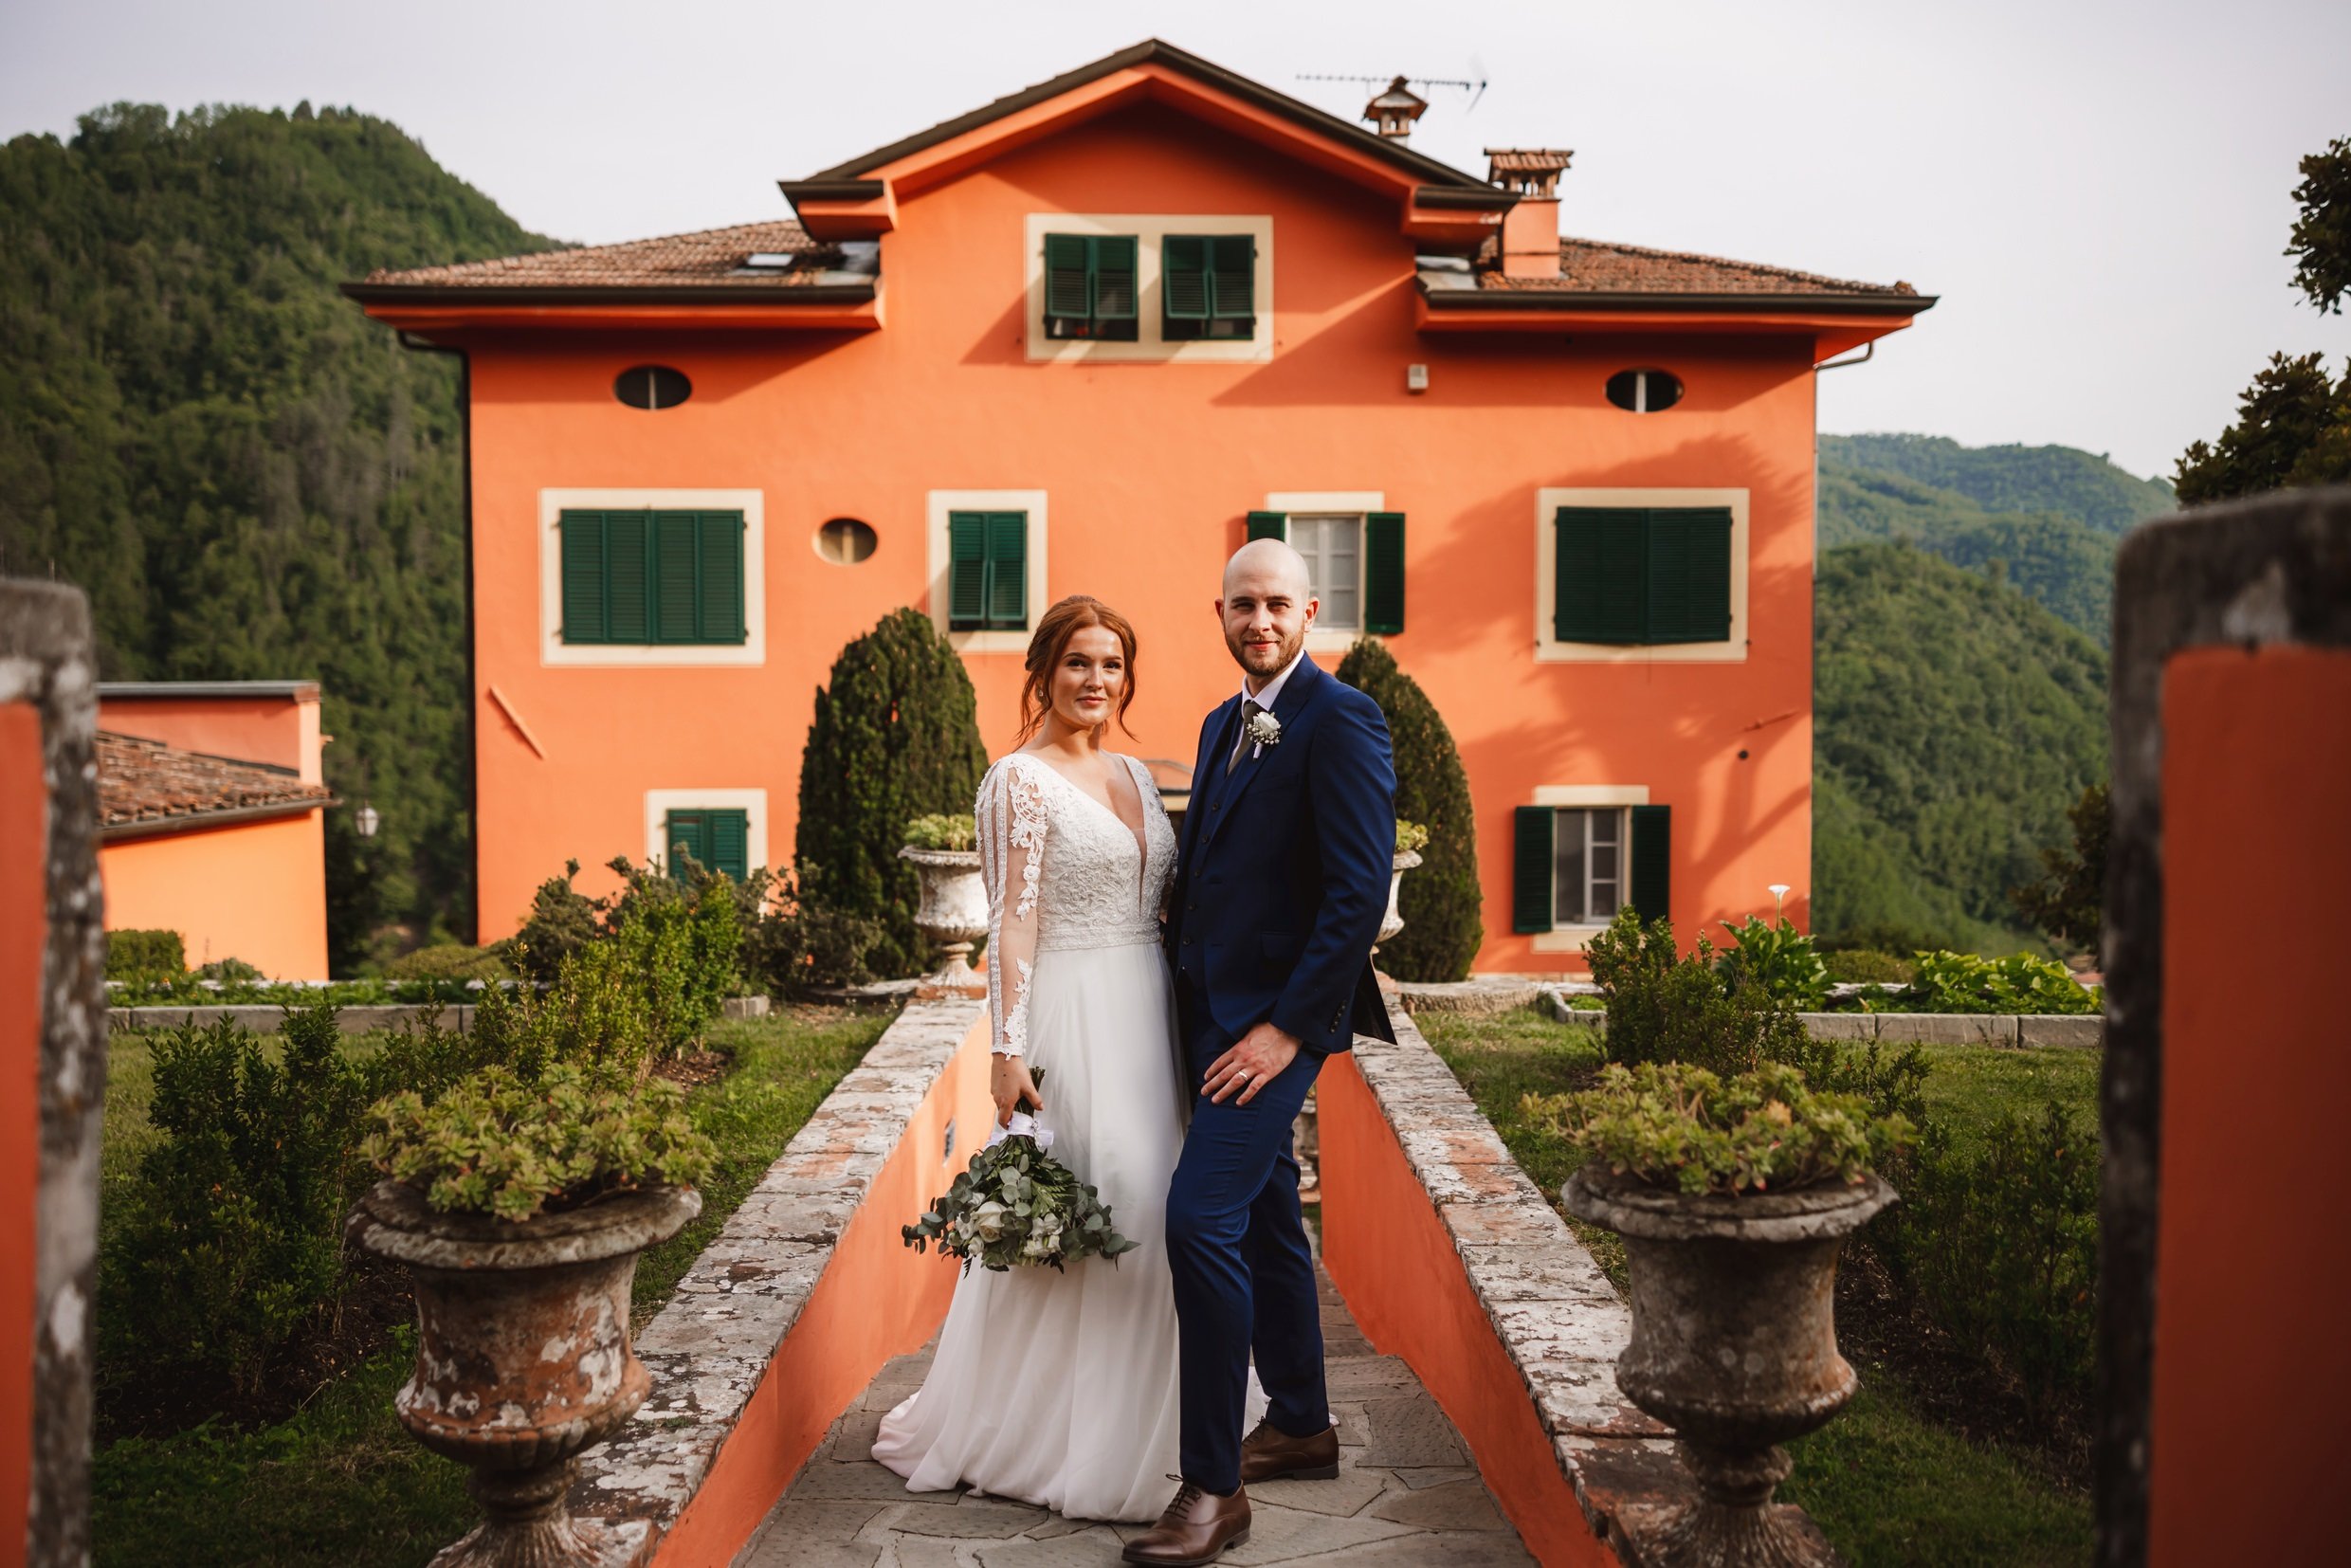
[(1285, 867)]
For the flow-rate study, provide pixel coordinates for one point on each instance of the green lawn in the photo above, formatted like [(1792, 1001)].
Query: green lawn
[(1886, 1484), (338, 1482)]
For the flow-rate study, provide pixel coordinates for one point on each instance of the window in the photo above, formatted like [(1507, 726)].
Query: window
[(1644, 392), (844, 542), (1089, 287), (1208, 286), (652, 387), (1578, 866), (1354, 560), (988, 570), (1642, 575), (716, 840), (645, 576)]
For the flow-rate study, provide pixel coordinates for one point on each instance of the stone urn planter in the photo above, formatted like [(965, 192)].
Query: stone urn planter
[(952, 917), (1392, 921), (1734, 1346), (522, 1355)]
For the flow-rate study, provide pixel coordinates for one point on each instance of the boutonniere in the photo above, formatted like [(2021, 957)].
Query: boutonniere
[(1263, 730)]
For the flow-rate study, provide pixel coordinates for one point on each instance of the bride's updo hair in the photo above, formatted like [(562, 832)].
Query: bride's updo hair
[(1051, 640)]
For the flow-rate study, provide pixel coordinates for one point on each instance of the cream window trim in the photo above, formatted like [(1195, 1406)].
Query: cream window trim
[(1549, 650), (554, 653), (1329, 640), (1571, 938), (1149, 231), (751, 803), (939, 504)]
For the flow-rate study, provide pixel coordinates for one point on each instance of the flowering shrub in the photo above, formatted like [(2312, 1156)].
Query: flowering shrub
[(495, 1145), (1671, 1125)]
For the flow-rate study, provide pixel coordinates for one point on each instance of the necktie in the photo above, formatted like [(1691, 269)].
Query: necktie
[(1250, 710)]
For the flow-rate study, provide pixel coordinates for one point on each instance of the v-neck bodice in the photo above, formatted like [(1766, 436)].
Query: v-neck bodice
[(1100, 883)]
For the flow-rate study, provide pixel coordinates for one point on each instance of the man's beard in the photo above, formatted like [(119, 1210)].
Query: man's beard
[(1284, 651)]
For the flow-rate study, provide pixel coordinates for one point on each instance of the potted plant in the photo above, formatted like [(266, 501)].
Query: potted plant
[(519, 1209), (1734, 1197), (954, 912)]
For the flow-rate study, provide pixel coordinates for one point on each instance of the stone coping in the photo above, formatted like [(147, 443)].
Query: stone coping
[(710, 1346), (359, 1018), (2080, 1031), (1556, 1316)]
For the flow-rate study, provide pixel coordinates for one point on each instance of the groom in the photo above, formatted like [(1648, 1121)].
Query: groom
[(1287, 851)]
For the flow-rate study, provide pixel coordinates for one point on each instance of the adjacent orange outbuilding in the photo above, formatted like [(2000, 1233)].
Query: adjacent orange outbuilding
[(1089, 338), (211, 819)]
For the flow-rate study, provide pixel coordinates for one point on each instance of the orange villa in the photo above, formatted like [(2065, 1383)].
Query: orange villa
[(1089, 338)]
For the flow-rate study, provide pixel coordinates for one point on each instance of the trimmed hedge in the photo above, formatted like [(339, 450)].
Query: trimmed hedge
[(1441, 901)]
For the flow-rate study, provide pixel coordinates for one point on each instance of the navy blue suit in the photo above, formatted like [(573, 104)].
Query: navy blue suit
[(1278, 898)]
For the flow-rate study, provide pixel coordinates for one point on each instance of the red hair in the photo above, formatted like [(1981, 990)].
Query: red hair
[(1051, 640)]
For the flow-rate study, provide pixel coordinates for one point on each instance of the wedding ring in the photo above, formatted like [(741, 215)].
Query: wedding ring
[(1242, 1073)]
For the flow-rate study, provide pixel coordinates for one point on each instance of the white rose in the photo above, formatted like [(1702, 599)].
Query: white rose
[(988, 1219)]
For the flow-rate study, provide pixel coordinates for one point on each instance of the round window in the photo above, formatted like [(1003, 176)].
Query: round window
[(652, 387), (1645, 391), (844, 542)]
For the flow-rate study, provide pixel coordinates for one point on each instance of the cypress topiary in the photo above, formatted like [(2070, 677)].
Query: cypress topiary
[(896, 736), (1441, 900)]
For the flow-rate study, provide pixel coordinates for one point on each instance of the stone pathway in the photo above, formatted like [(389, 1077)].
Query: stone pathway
[(1406, 1496)]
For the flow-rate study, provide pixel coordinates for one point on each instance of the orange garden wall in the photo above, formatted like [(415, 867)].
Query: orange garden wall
[(1390, 1255), (23, 925), (1149, 469), (876, 1300), (251, 890), (2252, 1368)]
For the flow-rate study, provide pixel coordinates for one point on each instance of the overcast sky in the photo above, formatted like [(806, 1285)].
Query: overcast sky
[(2100, 192)]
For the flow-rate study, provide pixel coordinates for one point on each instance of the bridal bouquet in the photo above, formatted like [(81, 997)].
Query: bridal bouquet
[(1016, 1205)]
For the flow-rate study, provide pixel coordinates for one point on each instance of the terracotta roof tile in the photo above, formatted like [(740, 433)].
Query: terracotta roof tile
[(707, 256), (141, 780), (1597, 266)]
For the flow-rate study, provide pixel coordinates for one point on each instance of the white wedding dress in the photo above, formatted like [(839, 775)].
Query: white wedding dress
[(1060, 1389)]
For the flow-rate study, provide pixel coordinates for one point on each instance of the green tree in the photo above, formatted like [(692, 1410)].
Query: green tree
[(2069, 900), (1440, 902), (896, 736), (2321, 243)]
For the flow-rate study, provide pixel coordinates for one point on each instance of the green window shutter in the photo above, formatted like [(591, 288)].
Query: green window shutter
[(1269, 525), (729, 841), (1008, 571), (1599, 582), (1383, 572), (1530, 867), (1690, 574), (1653, 862), (719, 549), (967, 569), (677, 585), (1114, 277), (685, 833), (628, 577), (581, 535), (1183, 277), (1233, 277), (1066, 288)]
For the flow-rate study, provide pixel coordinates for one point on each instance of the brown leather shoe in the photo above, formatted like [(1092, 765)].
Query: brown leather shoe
[(1271, 1454), (1195, 1530)]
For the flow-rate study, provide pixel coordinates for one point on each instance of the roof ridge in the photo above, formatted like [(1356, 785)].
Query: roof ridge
[(1627, 248)]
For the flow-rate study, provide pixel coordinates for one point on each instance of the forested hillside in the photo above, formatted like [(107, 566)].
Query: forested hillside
[(248, 478), (1955, 721), (2050, 517)]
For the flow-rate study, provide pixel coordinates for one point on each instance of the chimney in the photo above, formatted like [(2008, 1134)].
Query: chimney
[(1530, 230), (1392, 111)]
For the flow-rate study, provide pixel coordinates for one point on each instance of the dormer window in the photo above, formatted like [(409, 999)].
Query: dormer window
[(1089, 287), (1208, 286)]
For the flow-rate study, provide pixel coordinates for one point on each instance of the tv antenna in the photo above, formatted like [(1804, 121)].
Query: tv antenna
[(1475, 89)]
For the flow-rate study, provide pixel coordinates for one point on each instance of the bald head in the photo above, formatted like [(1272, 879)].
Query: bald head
[(1268, 565), (1267, 606)]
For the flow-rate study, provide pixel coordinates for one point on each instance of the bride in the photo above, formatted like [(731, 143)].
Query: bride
[(1060, 1389)]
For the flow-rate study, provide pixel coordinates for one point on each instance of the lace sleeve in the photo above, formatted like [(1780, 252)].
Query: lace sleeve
[(1011, 855)]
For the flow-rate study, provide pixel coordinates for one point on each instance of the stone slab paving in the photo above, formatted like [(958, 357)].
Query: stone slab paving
[(1406, 1496)]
